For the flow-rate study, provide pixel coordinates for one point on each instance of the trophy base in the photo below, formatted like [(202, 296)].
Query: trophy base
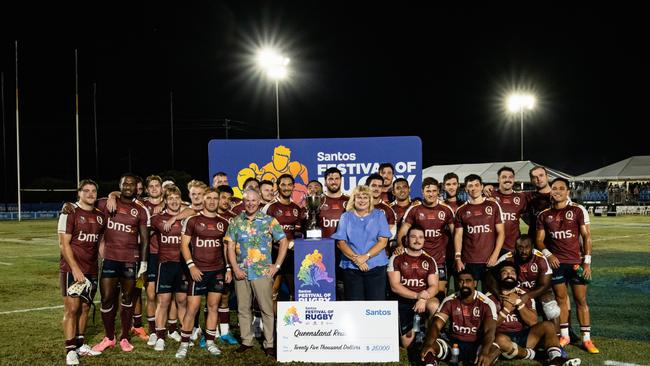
[(314, 234)]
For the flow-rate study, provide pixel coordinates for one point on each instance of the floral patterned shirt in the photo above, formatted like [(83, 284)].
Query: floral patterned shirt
[(253, 239)]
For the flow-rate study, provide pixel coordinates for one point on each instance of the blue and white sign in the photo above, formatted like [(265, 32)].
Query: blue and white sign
[(314, 270), (308, 159), (338, 331)]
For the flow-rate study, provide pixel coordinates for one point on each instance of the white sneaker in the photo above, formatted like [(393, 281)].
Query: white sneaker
[(175, 336), (85, 350), (182, 351), (196, 333), (212, 348), (72, 358), (152, 339), (160, 345)]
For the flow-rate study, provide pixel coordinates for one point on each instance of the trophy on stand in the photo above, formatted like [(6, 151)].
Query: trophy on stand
[(313, 208)]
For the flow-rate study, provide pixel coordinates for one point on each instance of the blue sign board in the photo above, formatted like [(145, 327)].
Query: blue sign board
[(314, 270)]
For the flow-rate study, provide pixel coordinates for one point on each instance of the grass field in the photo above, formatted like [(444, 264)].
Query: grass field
[(619, 298)]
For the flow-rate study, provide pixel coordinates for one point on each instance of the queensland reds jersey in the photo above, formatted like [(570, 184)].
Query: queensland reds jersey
[(454, 204), (228, 215), (535, 203), (153, 240), (562, 228), (529, 272), (330, 213), (289, 216), (85, 228), (387, 197), (169, 241), (479, 230), (467, 319), (413, 271), (121, 236), (400, 211), (512, 323), (238, 208), (513, 205), (207, 241), (435, 221), (388, 212)]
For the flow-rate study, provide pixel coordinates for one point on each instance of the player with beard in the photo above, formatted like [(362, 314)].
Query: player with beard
[(513, 205), (171, 277), (450, 186), (291, 217), (329, 214), (79, 235), (221, 179), (473, 319), (315, 188), (518, 333), (437, 219), (202, 248), (375, 181), (413, 277), (387, 173), (126, 240), (564, 236), (402, 202), (267, 191), (478, 231)]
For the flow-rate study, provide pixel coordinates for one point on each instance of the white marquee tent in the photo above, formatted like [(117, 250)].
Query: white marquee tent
[(488, 171), (632, 168)]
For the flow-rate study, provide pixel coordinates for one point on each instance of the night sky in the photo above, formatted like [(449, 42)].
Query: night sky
[(440, 73)]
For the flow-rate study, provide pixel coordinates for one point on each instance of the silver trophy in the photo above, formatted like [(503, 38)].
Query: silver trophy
[(313, 208)]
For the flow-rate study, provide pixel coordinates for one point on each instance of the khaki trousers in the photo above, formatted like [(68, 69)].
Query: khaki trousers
[(262, 289)]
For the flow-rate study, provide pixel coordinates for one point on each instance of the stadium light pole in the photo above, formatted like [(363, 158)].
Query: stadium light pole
[(516, 104), (275, 67)]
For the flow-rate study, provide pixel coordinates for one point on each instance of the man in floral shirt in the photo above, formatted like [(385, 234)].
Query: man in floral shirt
[(249, 240)]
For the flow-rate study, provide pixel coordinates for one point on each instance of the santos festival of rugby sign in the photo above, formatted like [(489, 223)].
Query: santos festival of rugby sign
[(307, 159)]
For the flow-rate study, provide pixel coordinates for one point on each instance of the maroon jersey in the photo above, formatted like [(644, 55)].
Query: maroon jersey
[(387, 197), (207, 241), (153, 240), (289, 216), (169, 241), (121, 236), (238, 208), (512, 323), (330, 213), (535, 203), (228, 215), (413, 271), (530, 272), (235, 200), (388, 211), (513, 205), (479, 230), (454, 204), (562, 228), (400, 211), (435, 221), (85, 228), (467, 319)]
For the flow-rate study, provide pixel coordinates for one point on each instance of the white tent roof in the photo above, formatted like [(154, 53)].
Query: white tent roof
[(488, 171), (635, 167)]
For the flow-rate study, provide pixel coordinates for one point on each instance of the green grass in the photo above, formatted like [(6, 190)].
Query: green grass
[(29, 256)]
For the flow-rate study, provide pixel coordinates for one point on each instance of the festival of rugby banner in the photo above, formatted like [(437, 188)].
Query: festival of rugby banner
[(338, 331), (307, 159), (314, 270)]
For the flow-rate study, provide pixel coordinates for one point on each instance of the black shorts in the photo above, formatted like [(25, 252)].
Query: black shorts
[(443, 274), (566, 274), (172, 277), (66, 279), (116, 269), (468, 350), (152, 267), (520, 337), (212, 281), (406, 314)]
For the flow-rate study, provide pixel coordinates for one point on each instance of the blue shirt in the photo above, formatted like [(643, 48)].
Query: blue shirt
[(361, 234)]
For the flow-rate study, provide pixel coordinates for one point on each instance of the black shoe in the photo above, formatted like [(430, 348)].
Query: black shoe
[(573, 337), (270, 352), (243, 348)]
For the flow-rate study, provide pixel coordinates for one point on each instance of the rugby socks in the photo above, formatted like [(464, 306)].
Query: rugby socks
[(80, 340), (151, 320), (161, 333), (564, 330), (224, 320), (586, 332), (530, 354), (126, 315), (210, 334), (185, 336), (553, 352), (172, 325), (108, 318), (430, 359), (137, 321), (70, 345)]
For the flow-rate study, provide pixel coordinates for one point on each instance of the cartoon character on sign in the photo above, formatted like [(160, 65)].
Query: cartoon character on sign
[(280, 164), (291, 316), (313, 270)]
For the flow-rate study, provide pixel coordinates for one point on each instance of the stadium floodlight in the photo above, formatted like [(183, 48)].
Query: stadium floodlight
[(516, 103), (276, 67)]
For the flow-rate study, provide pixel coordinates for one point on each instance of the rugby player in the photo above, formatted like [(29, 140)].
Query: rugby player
[(402, 202), (375, 181), (513, 205), (387, 172)]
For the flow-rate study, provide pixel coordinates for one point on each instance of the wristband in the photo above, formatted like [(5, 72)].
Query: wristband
[(228, 269), (503, 315), (189, 261), (547, 253), (521, 306), (587, 259), (368, 254), (191, 265)]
